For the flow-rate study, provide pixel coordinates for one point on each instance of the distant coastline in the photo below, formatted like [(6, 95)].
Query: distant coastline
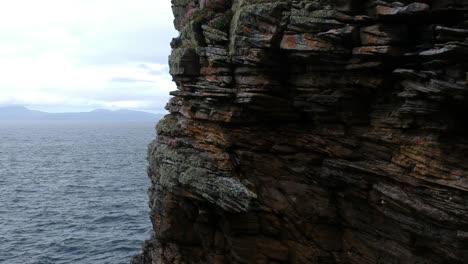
[(21, 113)]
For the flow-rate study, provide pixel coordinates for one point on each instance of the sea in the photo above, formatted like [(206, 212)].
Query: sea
[(73, 192)]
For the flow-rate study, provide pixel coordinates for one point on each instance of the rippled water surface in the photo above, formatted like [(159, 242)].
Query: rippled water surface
[(73, 192)]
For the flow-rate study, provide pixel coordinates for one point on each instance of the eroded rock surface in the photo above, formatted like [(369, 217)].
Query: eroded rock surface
[(328, 131)]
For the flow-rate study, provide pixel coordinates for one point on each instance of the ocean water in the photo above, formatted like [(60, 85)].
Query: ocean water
[(73, 192)]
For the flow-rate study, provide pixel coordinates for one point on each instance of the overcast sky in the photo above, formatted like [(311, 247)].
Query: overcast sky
[(79, 55)]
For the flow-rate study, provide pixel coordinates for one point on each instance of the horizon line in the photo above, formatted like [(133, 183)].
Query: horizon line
[(163, 111)]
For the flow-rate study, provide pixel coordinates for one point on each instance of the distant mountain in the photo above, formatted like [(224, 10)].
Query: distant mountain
[(19, 113)]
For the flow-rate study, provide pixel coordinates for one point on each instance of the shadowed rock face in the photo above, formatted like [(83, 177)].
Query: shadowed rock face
[(329, 131)]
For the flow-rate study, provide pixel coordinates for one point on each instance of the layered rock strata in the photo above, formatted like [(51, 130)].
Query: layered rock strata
[(327, 131)]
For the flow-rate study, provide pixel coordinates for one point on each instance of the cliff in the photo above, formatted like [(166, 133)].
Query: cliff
[(326, 131)]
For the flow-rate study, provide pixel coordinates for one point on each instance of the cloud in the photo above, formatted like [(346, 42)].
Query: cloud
[(128, 80), (79, 55)]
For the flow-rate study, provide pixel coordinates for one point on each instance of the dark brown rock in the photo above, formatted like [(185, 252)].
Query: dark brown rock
[(313, 132)]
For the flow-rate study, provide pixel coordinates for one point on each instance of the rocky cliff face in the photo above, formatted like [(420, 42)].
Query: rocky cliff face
[(326, 131)]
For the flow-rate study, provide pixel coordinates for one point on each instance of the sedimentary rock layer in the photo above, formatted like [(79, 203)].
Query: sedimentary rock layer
[(328, 131)]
